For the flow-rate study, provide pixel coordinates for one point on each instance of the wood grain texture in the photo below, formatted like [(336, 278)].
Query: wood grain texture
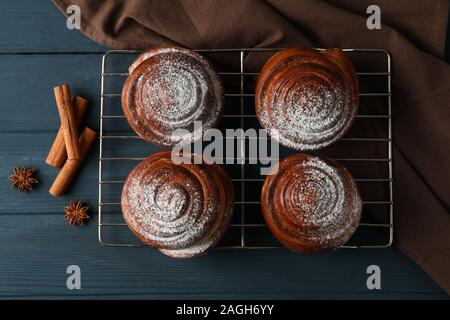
[(40, 247), (36, 244), (29, 149), (30, 26)]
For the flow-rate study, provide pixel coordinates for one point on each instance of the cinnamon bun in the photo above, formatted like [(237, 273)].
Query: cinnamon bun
[(307, 99), (168, 89), (182, 209), (311, 204)]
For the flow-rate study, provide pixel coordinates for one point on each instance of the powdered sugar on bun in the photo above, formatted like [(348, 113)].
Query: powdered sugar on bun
[(311, 204), (181, 209), (168, 89)]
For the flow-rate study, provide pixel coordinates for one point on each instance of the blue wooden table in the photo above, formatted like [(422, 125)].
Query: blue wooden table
[(37, 245)]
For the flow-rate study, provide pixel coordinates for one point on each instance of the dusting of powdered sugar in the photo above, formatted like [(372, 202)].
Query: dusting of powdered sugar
[(164, 211), (324, 199), (304, 111), (204, 244), (181, 87)]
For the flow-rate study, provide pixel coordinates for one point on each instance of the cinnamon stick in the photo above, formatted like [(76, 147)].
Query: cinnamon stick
[(58, 154), (68, 121), (65, 176)]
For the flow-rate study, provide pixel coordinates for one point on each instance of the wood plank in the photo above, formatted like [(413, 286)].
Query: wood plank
[(36, 250), (39, 26), (30, 121)]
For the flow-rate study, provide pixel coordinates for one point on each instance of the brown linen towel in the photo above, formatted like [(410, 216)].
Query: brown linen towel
[(412, 30)]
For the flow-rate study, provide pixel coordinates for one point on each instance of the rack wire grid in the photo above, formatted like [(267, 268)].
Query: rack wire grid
[(122, 237)]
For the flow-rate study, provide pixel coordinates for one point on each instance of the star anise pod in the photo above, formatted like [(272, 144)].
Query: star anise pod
[(23, 179), (76, 213)]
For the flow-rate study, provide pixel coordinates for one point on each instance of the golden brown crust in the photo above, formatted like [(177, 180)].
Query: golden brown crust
[(182, 209), (170, 88), (305, 98), (311, 204)]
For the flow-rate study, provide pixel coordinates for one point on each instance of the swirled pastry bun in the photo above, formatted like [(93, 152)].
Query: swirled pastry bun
[(181, 209), (170, 88), (311, 204), (305, 98)]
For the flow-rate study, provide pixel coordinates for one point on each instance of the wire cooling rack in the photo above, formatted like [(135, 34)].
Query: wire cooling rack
[(112, 230)]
